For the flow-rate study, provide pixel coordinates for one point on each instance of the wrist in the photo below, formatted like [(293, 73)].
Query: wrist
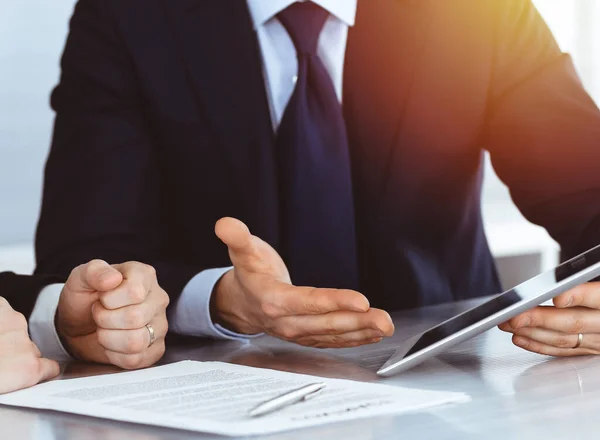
[(62, 337), (226, 307)]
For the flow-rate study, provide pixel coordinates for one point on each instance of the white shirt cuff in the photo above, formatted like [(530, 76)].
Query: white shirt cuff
[(190, 315), (41, 324)]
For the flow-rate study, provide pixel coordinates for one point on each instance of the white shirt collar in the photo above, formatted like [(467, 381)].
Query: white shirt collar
[(263, 10)]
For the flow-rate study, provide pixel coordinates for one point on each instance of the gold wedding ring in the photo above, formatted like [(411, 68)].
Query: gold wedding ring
[(152, 334), (579, 341)]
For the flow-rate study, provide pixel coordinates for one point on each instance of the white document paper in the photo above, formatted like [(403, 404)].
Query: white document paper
[(215, 397)]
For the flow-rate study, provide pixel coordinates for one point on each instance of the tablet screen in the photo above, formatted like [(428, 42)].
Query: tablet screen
[(530, 289)]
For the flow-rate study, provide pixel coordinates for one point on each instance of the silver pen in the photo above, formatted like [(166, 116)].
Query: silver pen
[(300, 395)]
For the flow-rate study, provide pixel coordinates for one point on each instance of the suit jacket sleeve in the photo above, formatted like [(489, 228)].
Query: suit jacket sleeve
[(102, 187), (543, 130), (22, 291)]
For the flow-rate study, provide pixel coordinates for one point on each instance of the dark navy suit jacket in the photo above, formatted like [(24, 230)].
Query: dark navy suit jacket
[(163, 127), (22, 291)]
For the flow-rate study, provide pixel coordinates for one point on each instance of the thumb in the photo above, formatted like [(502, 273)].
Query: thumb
[(48, 369), (250, 252), (97, 275), (235, 234)]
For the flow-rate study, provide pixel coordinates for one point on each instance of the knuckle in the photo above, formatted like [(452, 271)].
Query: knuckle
[(132, 362), (165, 299), (160, 351), (103, 337), (135, 318), (135, 343), (3, 303), (577, 295), (311, 302), (330, 328), (311, 307), (270, 309), (576, 325), (99, 314), (288, 332), (525, 320), (563, 342), (150, 271), (18, 321), (137, 293)]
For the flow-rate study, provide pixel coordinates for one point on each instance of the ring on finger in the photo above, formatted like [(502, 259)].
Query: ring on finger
[(152, 334), (579, 341)]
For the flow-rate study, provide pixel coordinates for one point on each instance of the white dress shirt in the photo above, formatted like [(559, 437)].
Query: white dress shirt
[(190, 315)]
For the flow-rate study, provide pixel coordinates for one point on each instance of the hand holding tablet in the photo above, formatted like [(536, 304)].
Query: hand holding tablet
[(546, 330), (570, 328)]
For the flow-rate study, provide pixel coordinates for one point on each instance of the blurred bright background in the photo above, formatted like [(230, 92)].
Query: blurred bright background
[(32, 34)]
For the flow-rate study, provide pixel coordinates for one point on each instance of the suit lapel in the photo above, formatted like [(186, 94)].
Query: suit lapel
[(220, 50), (384, 50)]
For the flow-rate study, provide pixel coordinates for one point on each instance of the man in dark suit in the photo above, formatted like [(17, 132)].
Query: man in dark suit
[(347, 135), (94, 318)]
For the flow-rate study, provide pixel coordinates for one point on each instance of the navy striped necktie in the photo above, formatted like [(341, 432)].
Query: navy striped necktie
[(318, 241)]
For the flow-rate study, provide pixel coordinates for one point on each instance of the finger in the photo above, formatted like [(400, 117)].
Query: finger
[(88, 348), (506, 327), (132, 341), (125, 318), (335, 323), (585, 295), (48, 369), (352, 339), (249, 252), (558, 339), (572, 320), (235, 235), (138, 281), (548, 337), (549, 350), (286, 300), (97, 275), (139, 360)]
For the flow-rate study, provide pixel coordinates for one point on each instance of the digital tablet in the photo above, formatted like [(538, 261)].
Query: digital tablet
[(494, 312)]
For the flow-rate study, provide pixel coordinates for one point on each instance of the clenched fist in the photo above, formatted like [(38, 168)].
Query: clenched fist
[(21, 364), (114, 314)]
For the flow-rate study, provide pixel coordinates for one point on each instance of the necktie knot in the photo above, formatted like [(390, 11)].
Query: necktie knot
[(304, 22)]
